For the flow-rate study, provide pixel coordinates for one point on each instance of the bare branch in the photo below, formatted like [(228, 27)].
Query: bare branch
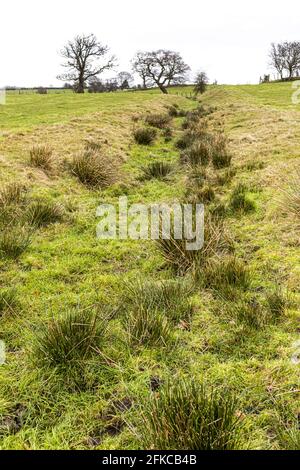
[(83, 55)]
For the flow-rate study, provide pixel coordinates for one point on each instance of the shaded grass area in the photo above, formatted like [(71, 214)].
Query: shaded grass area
[(158, 331)]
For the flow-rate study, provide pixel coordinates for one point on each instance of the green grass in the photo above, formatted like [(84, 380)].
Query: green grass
[(196, 331)]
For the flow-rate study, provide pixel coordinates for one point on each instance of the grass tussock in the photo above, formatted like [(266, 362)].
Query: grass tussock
[(94, 169), (144, 135), (291, 196), (287, 427), (12, 201), (188, 416), (258, 311), (160, 121), (71, 338), (8, 300), (14, 240), (226, 275), (196, 178), (147, 327), (177, 255), (206, 194), (196, 133), (12, 193), (41, 156), (168, 134), (172, 298), (41, 213), (221, 158), (239, 200), (173, 111), (277, 302), (156, 170), (197, 154), (225, 177)]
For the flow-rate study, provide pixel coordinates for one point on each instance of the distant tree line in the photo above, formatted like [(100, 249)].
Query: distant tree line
[(85, 59)]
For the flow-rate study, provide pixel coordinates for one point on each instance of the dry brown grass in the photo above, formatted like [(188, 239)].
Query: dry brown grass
[(41, 156), (291, 196)]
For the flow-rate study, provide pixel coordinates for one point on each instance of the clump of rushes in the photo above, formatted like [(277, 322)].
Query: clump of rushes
[(147, 327), (170, 297), (158, 170), (199, 153), (287, 426), (218, 210), (71, 338), (168, 134), (239, 201), (277, 302), (94, 169), (41, 156), (291, 201), (250, 313), (206, 194), (12, 193), (226, 275), (160, 121), (144, 135), (14, 240), (193, 118), (181, 259), (220, 155), (189, 416), (196, 179), (193, 134), (225, 177), (42, 213), (8, 300), (254, 165), (12, 199), (173, 111)]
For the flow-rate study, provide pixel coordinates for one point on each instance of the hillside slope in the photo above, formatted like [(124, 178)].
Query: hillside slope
[(238, 338)]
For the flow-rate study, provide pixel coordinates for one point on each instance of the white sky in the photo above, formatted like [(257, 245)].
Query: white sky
[(229, 39)]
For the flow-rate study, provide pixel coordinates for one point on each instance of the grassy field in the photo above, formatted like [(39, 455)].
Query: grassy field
[(237, 313)]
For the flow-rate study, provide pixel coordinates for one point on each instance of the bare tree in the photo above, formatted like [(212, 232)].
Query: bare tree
[(83, 56), (139, 67), (95, 85), (161, 68), (201, 83), (277, 58), (292, 57), (125, 80), (285, 56)]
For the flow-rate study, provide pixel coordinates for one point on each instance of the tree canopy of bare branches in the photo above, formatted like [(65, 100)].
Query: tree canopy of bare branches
[(285, 57), (161, 68), (84, 60), (125, 80)]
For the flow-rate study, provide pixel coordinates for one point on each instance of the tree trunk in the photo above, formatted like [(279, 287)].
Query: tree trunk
[(80, 86), (163, 89)]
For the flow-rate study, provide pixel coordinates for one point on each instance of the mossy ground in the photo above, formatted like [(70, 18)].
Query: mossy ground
[(66, 265)]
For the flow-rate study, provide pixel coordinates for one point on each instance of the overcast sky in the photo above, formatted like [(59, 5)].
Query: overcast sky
[(227, 38)]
